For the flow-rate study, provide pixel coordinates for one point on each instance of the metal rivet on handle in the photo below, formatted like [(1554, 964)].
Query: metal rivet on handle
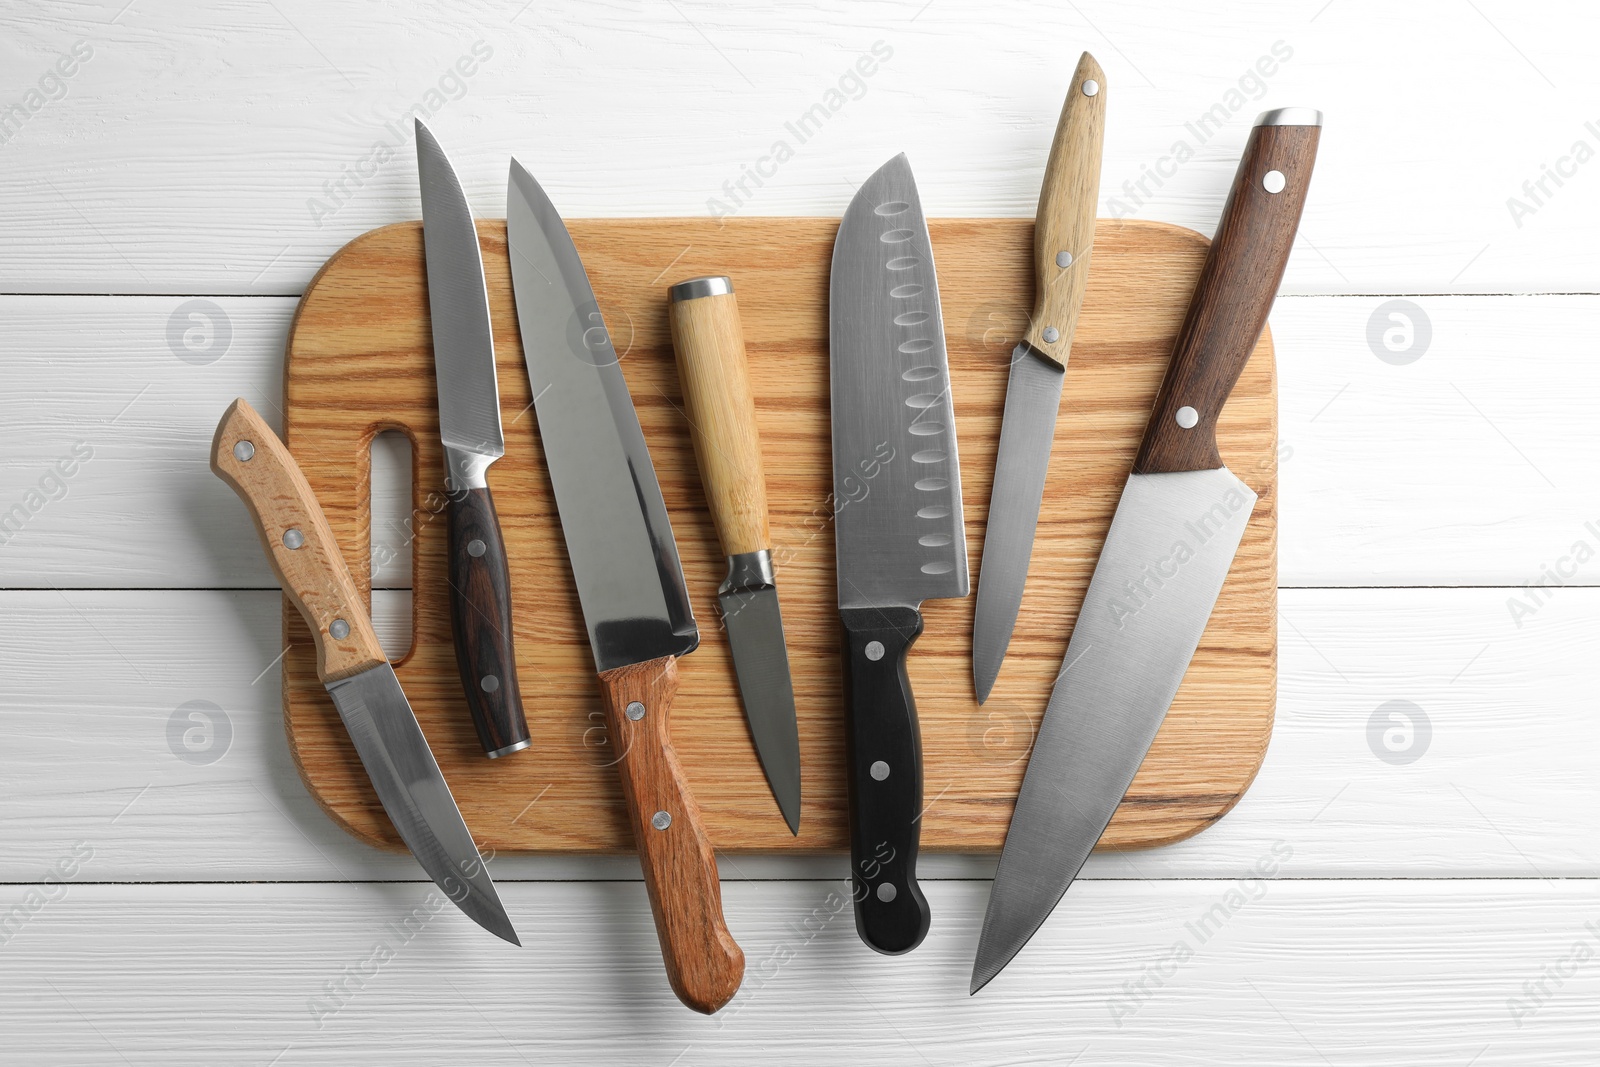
[(1188, 417), (476, 548), (1063, 259), (661, 820), (244, 451), (634, 710), (874, 650), (887, 892), (879, 770), (338, 629), (489, 683), (293, 538), (1274, 181), (1051, 335), (1091, 87)]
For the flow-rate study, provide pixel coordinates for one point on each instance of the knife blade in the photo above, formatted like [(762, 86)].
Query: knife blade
[(629, 580), (1171, 543), (897, 526), (469, 424), (247, 455), (709, 341), (1063, 237)]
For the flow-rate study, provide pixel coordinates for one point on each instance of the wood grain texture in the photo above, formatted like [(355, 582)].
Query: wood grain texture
[(358, 362), (708, 341), (307, 560), (704, 964), (1237, 286), (481, 620), (1064, 226)]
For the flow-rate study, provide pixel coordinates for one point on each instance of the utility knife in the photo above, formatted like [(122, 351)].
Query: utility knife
[(1063, 236), (898, 530), (1171, 543), (629, 580), (469, 424), (709, 342), (247, 455)]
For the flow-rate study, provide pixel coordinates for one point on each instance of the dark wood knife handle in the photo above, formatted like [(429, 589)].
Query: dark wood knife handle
[(1237, 285), (481, 621), (704, 964), (883, 758)]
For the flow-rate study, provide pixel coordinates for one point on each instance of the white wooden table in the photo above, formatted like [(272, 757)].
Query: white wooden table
[(172, 895)]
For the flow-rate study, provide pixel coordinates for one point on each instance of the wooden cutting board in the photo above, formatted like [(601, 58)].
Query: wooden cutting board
[(360, 362)]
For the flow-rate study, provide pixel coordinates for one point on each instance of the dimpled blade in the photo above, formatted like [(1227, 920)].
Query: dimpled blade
[(896, 471), (1169, 549), (413, 791)]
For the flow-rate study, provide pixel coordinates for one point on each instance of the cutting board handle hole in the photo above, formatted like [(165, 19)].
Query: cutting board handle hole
[(393, 541)]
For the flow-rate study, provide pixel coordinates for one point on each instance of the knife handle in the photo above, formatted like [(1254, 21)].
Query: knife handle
[(709, 342), (704, 964), (1237, 285), (884, 763), (1063, 230), (247, 455), (481, 621)]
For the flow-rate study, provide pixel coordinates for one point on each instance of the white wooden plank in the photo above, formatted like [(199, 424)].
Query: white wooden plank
[(189, 151), (1451, 469), (1286, 973), (1502, 783)]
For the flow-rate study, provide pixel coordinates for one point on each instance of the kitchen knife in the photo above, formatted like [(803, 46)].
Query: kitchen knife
[(629, 581), (469, 423), (709, 341), (1063, 234), (247, 455), (897, 528), (1170, 546)]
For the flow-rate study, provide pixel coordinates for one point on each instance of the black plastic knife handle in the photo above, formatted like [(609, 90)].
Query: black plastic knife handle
[(480, 617), (884, 761)]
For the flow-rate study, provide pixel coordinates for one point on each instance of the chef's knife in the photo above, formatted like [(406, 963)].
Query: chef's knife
[(1170, 546), (629, 581), (469, 423), (1063, 233), (247, 455), (897, 526), (709, 340)]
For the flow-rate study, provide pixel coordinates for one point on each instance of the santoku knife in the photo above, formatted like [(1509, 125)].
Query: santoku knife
[(469, 423), (629, 581), (1063, 234), (1170, 546), (709, 341), (897, 525), (248, 456)]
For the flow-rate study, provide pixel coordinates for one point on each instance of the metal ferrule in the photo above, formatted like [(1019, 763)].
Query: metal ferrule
[(1290, 116), (749, 570), (695, 288), (466, 470)]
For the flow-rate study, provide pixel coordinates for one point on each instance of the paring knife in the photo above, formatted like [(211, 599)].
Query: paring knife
[(469, 423), (1170, 546), (247, 455), (1063, 235), (897, 526), (629, 580), (709, 341)]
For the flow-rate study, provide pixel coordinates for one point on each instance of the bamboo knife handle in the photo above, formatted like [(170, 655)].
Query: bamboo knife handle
[(247, 455), (709, 341), (1237, 285), (1063, 230), (704, 964)]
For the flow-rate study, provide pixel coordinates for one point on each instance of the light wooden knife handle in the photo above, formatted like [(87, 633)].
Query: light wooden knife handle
[(247, 455), (709, 341), (704, 964), (1063, 230)]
